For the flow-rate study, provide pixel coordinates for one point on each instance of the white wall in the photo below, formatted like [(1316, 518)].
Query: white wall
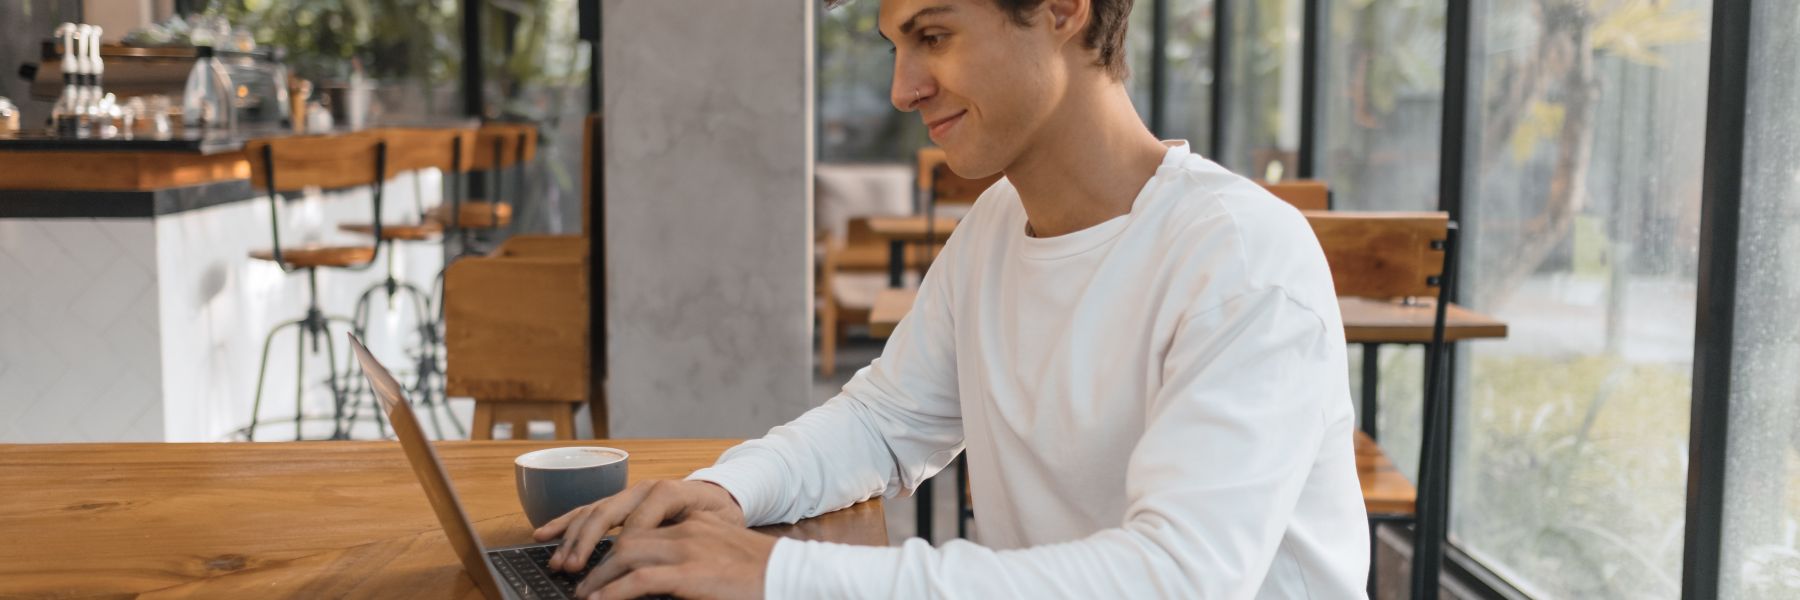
[(708, 145), (127, 330)]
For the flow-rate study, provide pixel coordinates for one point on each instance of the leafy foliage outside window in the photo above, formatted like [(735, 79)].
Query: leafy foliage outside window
[(389, 38)]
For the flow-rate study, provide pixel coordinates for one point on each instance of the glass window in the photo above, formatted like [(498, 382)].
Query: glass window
[(1762, 476), (1264, 90), (857, 122), (410, 51), (1187, 97), (1382, 101), (1138, 31), (1582, 233), (536, 71)]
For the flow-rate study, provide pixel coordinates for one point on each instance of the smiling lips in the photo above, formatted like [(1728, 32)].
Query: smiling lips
[(942, 126)]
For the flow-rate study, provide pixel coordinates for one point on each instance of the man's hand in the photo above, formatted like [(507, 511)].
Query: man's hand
[(703, 557), (641, 507)]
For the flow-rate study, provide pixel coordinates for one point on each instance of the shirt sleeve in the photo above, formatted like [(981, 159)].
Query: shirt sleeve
[(1229, 442), (896, 423)]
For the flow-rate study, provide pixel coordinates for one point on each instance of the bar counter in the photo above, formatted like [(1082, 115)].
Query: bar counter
[(130, 308)]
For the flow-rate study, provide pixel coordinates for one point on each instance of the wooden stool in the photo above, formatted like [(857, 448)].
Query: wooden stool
[(520, 413), (497, 149), (291, 164), (450, 151)]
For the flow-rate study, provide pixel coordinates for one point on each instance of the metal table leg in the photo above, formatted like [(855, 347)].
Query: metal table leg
[(1371, 376), (923, 499), (896, 265)]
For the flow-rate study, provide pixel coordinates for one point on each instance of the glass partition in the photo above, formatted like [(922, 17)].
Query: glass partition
[(1582, 233)]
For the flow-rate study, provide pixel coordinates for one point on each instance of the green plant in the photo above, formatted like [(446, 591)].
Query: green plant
[(323, 38)]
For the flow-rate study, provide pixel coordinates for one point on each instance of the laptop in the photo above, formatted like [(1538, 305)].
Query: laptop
[(510, 573)]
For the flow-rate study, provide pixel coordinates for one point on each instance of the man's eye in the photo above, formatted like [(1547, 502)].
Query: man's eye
[(931, 41)]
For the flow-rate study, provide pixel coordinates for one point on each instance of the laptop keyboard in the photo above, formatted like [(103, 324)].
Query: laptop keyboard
[(527, 571)]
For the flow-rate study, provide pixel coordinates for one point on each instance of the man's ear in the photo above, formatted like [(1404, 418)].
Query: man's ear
[(1068, 18)]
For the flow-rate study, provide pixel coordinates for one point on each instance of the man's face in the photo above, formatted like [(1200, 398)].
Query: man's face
[(981, 83)]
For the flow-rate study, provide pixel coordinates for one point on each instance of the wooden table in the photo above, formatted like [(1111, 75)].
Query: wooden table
[(1377, 322), (1372, 323), (1365, 321), (304, 520), (900, 231)]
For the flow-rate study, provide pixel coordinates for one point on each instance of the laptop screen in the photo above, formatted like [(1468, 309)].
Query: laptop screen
[(429, 469)]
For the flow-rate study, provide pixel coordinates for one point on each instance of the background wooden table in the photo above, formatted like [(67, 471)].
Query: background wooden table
[(1365, 321), (302, 520), (900, 231)]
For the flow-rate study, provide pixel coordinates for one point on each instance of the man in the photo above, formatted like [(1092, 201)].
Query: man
[(1141, 351)]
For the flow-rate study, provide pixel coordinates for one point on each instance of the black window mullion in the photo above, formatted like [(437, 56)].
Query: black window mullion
[(472, 80), (1312, 41), (1221, 76), (1159, 68), (1720, 203), (1454, 139)]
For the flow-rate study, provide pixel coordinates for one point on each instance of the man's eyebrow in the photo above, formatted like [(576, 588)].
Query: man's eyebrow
[(913, 21)]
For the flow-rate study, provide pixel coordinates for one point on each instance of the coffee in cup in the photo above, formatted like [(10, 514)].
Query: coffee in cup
[(554, 481)]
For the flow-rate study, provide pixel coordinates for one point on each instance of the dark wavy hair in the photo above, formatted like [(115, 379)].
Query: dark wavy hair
[(1105, 32)]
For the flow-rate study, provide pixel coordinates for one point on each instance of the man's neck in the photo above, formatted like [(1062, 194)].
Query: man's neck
[(1087, 166)]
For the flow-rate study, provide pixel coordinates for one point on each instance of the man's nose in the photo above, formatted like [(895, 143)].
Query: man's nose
[(912, 86)]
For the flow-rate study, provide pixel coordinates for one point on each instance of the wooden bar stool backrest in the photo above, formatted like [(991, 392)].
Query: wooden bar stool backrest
[(1383, 255), (289, 164), (503, 145), (447, 150), (450, 151), (1304, 194)]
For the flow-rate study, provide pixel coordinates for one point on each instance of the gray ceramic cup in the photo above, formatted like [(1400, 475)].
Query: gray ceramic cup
[(554, 481)]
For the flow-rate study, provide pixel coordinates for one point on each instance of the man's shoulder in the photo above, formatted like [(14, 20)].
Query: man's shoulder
[(1235, 234), (1203, 202)]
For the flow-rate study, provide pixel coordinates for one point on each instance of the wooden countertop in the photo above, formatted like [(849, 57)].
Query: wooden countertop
[(122, 166), (311, 519), (112, 171)]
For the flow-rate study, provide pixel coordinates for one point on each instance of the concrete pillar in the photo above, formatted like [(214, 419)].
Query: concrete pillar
[(708, 200)]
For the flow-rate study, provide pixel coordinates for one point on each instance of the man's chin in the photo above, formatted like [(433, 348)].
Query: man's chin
[(969, 163)]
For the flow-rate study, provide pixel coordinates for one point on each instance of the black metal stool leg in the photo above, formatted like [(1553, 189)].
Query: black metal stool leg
[(339, 429), (356, 387), (261, 372), (300, 378), (427, 362)]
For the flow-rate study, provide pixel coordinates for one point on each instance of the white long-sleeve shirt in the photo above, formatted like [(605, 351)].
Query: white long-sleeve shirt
[(1155, 406)]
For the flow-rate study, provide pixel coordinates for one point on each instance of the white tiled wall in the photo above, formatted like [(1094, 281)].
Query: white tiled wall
[(149, 330), (78, 331)]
